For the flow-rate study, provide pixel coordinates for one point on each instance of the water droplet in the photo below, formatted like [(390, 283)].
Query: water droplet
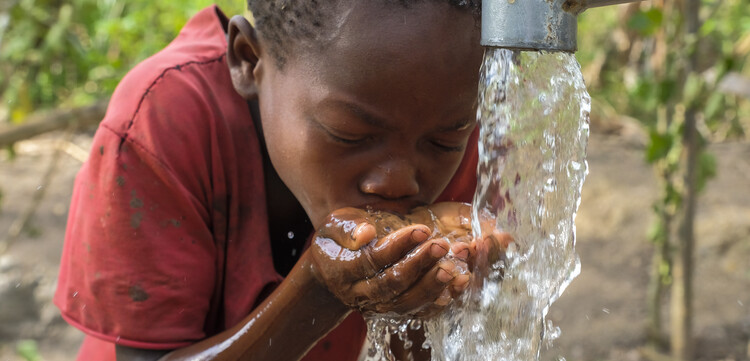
[(427, 343), (402, 327), (605, 310), (75, 294), (415, 324), (39, 187), (290, 235)]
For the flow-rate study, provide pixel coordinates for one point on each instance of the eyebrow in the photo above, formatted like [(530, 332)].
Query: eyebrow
[(362, 114), (380, 122)]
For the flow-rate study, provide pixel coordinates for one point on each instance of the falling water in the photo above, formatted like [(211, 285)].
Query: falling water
[(533, 115)]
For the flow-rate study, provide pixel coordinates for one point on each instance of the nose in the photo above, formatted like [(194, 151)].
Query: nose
[(391, 179)]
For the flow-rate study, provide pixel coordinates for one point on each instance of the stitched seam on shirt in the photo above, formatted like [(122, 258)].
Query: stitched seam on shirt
[(167, 168), (161, 76)]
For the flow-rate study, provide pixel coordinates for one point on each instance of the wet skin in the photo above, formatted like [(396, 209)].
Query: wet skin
[(377, 261), (376, 119)]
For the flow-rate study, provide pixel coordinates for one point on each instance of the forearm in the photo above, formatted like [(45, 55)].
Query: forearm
[(284, 327)]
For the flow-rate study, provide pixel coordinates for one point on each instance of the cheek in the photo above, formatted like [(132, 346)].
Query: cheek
[(438, 173)]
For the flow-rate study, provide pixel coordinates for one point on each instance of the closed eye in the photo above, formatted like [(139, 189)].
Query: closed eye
[(342, 137), (346, 140), (445, 147)]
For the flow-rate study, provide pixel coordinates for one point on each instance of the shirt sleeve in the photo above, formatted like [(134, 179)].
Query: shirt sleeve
[(139, 260)]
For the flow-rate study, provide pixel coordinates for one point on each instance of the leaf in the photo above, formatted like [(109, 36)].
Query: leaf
[(706, 169), (666, 91), (659, 146), (28, 350), (693, 91), (646, 22)]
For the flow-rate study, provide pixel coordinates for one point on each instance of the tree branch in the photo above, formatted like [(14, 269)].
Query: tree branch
[(39, 123)]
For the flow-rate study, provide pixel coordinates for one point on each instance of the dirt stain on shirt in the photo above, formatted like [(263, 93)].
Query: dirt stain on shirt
[(135, 202), (137, 293), (135, 220)]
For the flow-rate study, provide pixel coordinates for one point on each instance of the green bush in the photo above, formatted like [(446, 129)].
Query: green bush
[(55, 53)]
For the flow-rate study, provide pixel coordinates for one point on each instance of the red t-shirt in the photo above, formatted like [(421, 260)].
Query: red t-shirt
[(167, 240)]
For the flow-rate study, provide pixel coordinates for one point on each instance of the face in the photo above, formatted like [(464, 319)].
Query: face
[(380, 116)]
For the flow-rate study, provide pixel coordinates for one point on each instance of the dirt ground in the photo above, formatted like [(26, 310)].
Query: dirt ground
[(602, 314)]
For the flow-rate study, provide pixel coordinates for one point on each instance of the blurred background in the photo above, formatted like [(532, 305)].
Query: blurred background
[(663, 228)]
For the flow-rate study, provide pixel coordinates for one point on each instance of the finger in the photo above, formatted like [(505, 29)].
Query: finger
[(489, 253), (391, 248), (432, 288), (363, 234), (459, 284), (461, 257), (349, 227), (394, 280), (461, 248), (502, 239)]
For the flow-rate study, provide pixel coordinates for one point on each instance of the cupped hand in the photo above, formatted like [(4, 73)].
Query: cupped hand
[(452, 221), (381, 262)]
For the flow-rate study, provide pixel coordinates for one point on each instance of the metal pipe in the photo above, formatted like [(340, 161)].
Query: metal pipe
[(535, 24)]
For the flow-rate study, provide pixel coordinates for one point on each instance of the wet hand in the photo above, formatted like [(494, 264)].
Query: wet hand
[(488, 252), (381, 262), (452, 221)]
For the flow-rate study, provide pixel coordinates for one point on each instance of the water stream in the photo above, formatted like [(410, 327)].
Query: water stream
[(534, 123)]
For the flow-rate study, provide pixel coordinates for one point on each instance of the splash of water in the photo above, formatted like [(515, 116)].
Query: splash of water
[(534, 115)]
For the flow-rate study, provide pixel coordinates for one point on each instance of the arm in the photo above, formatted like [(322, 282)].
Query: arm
[(281, 328), (350, 265)]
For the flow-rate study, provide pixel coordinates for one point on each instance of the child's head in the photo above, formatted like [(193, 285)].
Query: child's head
[(286, 24), (362, 102)]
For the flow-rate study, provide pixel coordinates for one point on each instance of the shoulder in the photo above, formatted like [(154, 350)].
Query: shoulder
[(195, 57), (179, 108)]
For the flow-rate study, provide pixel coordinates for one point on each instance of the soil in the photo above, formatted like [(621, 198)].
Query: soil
[(602, 314)]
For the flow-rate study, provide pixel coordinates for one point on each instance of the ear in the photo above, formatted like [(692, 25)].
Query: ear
[(244, 57)]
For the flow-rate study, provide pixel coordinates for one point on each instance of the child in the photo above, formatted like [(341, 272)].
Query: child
[(220, 155)]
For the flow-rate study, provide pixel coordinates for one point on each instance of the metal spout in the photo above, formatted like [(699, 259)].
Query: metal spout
[(535, 24)]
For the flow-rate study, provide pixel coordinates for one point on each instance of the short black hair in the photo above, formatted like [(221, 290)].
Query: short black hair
[(285, 22)]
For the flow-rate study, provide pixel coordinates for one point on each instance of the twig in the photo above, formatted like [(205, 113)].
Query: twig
[(45, 145), (74, 150), (39, 123)]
